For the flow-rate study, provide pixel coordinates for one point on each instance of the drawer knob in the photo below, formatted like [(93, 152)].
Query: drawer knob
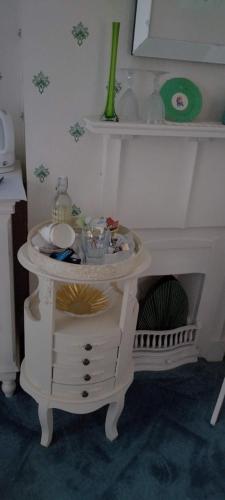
[(84, 394), (86, 361), (88, 347), (87, 377)]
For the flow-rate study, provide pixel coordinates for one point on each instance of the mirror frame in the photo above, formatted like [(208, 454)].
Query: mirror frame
[(162, 48)]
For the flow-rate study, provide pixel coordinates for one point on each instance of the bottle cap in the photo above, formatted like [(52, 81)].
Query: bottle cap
[(62, 184)]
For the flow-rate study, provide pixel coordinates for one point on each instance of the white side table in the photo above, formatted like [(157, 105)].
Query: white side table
[(11, 191), (78, 364)]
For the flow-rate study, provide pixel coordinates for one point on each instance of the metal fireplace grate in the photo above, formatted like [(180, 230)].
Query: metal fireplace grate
[(160, 350), (168, 339)]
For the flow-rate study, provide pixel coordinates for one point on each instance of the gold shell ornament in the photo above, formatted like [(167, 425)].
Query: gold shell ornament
[(82, 299)]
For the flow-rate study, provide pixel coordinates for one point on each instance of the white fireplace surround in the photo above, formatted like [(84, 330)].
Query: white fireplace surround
[(195, 251), (173, 197)]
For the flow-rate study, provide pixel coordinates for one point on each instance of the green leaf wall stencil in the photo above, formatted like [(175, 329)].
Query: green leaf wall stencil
[(41, 81), (77, 131), (41, 172), (80, 33)]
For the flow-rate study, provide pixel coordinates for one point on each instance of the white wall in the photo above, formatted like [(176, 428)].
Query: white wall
[(78, 76), (11, 69)]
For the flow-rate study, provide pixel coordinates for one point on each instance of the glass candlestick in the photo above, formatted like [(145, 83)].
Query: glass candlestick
[(109, 112), (155, 109), (128, 103)]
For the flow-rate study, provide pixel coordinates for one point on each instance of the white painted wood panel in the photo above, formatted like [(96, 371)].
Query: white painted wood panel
[(155, 181), (207, 203)]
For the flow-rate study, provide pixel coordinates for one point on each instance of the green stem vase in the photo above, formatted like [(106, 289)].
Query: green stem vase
[(110, 113)]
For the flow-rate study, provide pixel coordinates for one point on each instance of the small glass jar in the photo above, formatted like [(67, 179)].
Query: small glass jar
[(95, 241)]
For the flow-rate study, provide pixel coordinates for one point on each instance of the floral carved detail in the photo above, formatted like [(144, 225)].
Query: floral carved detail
[(41, 172), (76, 131), (80, 33), (41, 81)]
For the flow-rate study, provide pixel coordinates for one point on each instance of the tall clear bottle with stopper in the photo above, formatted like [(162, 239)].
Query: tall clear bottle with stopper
[(62, 206)]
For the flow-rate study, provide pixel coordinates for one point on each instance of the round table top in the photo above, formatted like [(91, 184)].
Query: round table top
[(43, 265)]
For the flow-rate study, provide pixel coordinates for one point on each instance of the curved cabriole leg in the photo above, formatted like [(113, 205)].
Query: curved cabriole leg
[(113, 414), (8, 387), (46, 420)]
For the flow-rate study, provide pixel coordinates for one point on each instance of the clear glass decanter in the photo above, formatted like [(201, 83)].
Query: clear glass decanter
[(62, 207)]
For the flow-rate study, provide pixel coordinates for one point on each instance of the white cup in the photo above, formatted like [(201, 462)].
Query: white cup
[(60, 235)]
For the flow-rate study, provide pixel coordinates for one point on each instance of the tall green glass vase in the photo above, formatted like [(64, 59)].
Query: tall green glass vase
[(110, 113)]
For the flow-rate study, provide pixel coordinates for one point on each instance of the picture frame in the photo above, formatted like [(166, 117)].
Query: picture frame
[(167, 30)]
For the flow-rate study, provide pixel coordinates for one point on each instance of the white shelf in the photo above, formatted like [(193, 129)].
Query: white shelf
[(208, 130)]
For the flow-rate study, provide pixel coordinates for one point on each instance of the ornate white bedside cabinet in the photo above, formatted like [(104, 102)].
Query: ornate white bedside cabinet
[(11, 191), (76, 363)]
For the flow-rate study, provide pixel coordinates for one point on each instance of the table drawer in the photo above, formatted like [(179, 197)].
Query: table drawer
[(81, 374), (81, 359), (86, 343), (82, 393)]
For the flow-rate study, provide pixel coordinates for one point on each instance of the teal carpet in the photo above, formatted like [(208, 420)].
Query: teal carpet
[(166, 448)]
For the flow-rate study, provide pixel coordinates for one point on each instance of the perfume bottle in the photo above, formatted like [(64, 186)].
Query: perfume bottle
[(62, 207)]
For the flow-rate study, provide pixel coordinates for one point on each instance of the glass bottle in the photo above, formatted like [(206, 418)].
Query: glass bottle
[(62, 207)]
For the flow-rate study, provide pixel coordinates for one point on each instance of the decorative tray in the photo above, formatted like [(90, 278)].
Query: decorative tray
[(85, 272)]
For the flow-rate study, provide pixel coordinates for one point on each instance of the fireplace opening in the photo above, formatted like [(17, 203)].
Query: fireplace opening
[(171, 344)]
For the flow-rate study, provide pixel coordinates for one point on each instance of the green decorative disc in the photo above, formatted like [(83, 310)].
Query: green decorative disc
[(182, 99)]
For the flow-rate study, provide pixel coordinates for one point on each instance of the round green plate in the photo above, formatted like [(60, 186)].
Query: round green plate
[(182, 99)]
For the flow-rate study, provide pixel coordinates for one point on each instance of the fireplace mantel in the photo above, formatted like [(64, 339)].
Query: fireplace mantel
[(168, 182), (188, 157), (206, 130)]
